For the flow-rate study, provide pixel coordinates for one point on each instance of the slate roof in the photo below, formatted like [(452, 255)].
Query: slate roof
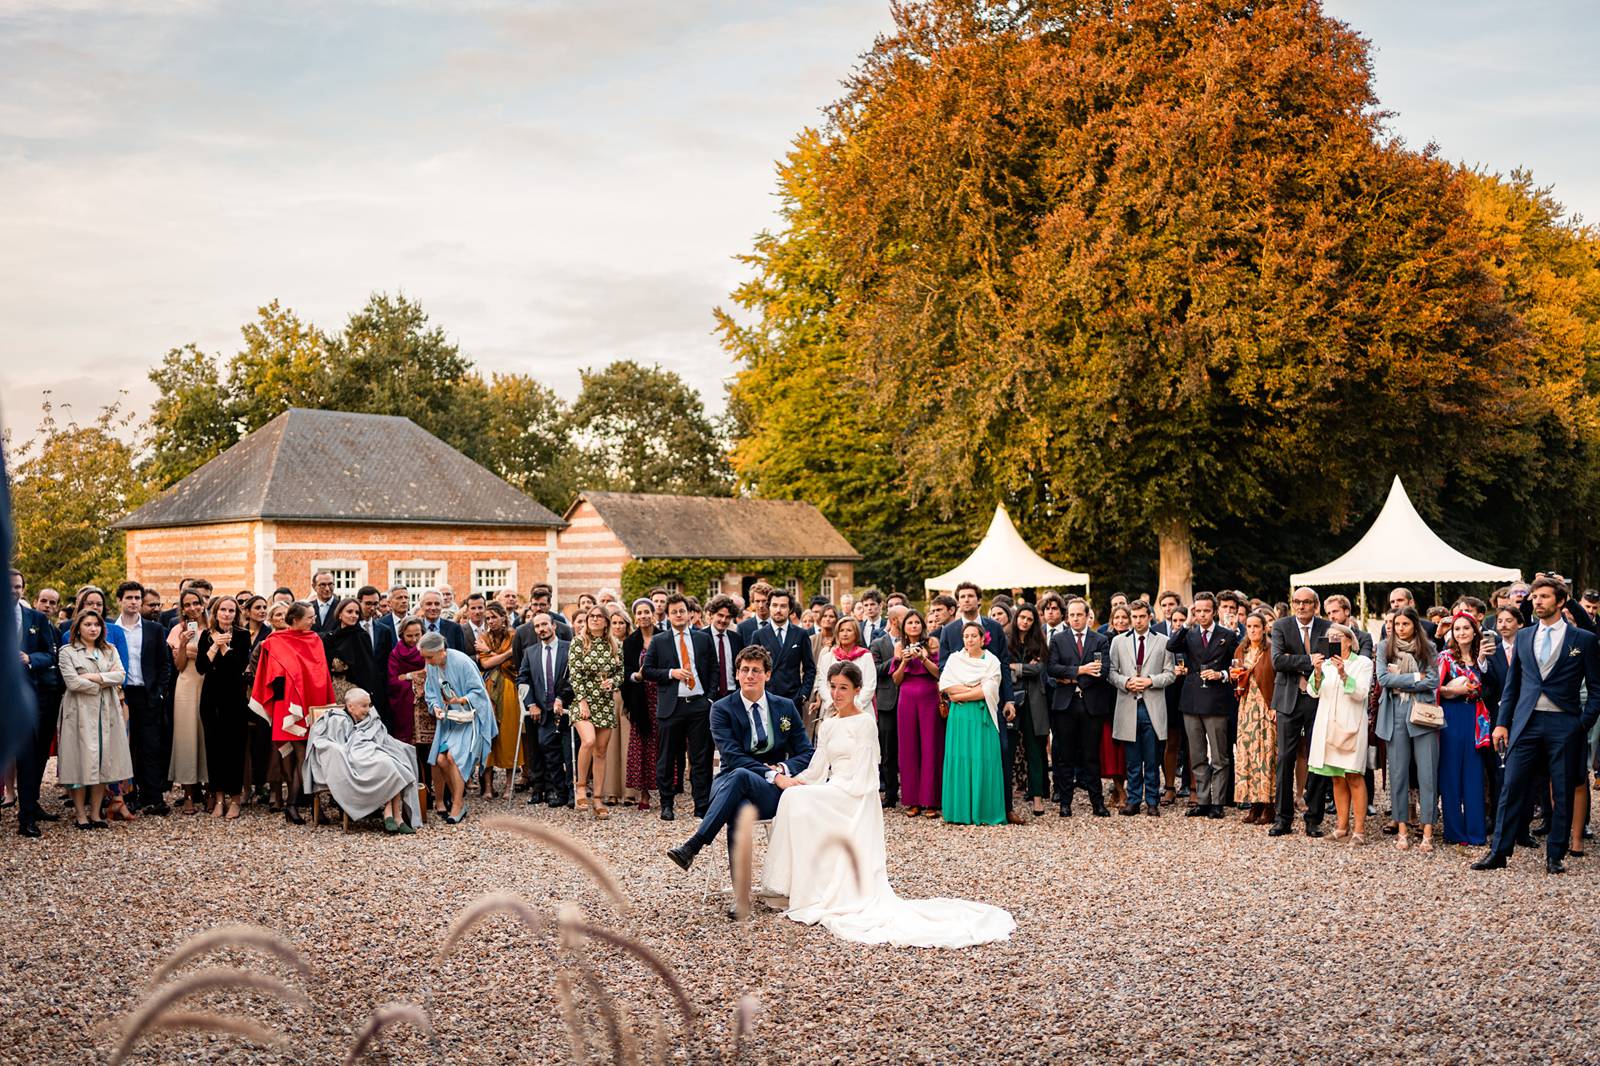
[(715, 527), (335, 466)]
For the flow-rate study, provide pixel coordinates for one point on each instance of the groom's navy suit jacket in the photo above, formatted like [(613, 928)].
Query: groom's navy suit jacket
[(735, 739)]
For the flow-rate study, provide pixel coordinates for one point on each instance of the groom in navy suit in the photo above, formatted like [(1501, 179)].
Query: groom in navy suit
[(1541, 720), (761, 737)]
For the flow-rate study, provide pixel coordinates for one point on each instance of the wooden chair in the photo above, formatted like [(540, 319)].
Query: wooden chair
[(316, 795)]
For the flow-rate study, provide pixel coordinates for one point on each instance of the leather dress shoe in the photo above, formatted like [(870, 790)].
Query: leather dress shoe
[(45, 816), (1314, 831), (1526, 841), (1197, 811), (1215, 812), (1490, 862), (1101, 811), (682, 855), (1130, 810), (1540, 829), (1153, 811), (535, 799), (1279, 830), (1554, 866), (1015, 819), (667, 813), (1066, 810), (28, 829)]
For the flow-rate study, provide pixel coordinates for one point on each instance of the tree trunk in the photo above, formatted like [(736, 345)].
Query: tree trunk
[(1177, 564)]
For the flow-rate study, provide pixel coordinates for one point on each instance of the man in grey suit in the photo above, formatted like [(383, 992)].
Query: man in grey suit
[(1141, 671), (884, 648), (1298, 646)]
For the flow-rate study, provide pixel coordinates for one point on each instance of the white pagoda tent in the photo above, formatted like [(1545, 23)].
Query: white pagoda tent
[(1401, 547), (1003, 560)]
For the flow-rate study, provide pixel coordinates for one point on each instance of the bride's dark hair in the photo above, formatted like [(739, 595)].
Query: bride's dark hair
[(850, 671)]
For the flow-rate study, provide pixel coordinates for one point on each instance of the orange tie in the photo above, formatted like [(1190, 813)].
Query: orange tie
[(683, 655)]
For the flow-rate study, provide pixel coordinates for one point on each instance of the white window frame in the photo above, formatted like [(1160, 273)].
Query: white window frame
[(356, 567), (792, 586), (508, 565), (826, 585), (672, 587), (440, 573), (714, 589)]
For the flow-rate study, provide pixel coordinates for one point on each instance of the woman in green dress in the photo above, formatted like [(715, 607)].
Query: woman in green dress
[(973, 792), (595, 666)]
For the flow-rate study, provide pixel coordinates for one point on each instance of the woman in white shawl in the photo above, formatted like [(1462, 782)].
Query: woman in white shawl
[(836, 798), (1339, 736), (352, 755), (973, 792)]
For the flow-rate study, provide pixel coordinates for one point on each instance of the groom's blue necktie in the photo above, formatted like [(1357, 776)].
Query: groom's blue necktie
[(761, 735)]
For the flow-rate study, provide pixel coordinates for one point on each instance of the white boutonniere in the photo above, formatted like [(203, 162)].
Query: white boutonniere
[(1573, 654), (783, 725)]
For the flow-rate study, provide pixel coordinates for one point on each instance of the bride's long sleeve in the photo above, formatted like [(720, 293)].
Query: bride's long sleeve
[(816, 770)]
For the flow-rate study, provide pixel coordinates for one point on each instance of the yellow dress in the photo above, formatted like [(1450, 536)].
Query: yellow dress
[(501, 681)]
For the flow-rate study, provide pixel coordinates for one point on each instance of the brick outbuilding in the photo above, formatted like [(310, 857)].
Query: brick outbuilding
[(375, 499)]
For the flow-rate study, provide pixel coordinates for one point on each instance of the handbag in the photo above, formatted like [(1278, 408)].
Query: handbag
[(1427, 715)]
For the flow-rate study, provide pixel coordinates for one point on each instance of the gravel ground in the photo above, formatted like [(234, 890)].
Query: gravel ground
[(1138, 940)]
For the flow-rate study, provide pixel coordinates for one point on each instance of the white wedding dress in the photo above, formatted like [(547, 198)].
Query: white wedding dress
[(840, 798)]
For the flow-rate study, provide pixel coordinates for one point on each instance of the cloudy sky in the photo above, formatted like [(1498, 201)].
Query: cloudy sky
[(559, 183)]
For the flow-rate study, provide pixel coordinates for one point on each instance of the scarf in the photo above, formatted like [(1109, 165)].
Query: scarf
[(402, 701), (291, 678), (1449, 670), (961, 670)]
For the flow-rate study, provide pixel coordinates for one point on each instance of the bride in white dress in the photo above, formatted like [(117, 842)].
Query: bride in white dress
[(837, 795)]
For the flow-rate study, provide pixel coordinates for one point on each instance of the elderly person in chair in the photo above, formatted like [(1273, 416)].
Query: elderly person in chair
[(351, 754)]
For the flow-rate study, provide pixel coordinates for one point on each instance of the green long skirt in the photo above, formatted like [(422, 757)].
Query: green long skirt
[(973, 791)]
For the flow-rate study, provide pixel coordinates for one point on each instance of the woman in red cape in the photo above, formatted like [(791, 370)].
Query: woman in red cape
[(291, 678)]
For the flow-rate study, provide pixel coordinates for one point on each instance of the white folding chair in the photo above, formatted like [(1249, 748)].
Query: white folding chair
[(713, 879)]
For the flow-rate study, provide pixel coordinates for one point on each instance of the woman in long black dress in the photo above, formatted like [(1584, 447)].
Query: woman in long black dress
[(351, 658), (224, 708)]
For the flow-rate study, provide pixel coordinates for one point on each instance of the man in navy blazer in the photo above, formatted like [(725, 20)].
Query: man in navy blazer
[(431, 610), (1206, 702), (967, 603), (725, 638), (793, 669), (1082, 701), (546, 690), (1551, 701), (763, 742), (683, 704), (149, 669), (37, 638)]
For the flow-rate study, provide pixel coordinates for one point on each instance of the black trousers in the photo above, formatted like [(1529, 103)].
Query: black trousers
[(258, 733), (1549, 748), (888, 757), (149, 732), (1008, 762), (225, 731), (35, 753), (1075, 751), (1291, 727), (688, 731), (551, 760)]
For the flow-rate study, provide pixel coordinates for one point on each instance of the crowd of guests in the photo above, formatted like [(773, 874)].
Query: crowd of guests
[(1481, 716)]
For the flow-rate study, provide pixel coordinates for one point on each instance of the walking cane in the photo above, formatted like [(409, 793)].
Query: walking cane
[(522, 718)]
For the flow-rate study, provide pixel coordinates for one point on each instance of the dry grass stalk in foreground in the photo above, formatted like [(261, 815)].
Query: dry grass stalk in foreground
[(744, 851), (230, 936), (153, 1009), (383, 1017), (581, 856)]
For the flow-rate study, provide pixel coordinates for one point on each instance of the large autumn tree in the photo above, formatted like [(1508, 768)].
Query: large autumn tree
[(1149, 265)]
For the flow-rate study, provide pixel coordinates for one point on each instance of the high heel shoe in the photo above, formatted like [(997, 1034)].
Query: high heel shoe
[(599, 809), (291, 814)]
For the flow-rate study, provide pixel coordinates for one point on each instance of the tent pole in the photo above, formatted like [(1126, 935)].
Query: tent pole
[(1363, 598)]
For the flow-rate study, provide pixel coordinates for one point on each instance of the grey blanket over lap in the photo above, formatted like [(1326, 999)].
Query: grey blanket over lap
[(361, 764)]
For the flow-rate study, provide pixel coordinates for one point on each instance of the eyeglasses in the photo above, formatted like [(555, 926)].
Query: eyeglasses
[(1302, 602)]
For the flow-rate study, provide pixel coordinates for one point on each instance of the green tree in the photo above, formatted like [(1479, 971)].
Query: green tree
[(194, 417), (285, 362), (807, 428), (523, 433), (646, 430), (1150, 264), (70, 481)]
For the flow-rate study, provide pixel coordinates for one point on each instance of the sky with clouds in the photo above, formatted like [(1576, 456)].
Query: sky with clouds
[(558, 183)]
